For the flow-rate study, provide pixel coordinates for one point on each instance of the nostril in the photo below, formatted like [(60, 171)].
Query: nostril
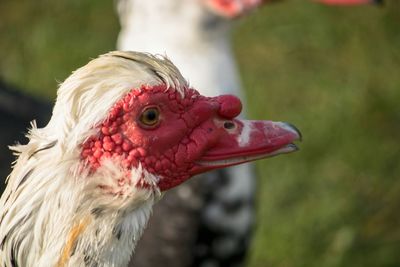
[(229, 125), (230, 106)]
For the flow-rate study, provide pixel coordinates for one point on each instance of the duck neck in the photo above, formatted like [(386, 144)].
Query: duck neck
[(195, 39)]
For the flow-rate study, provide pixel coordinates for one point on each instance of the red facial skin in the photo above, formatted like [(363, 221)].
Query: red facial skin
[(189, 129)]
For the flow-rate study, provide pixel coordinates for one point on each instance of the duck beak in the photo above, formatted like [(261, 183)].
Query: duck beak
[(243, 141)]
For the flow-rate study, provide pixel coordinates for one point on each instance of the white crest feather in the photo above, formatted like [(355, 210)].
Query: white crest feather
[(48, 191)]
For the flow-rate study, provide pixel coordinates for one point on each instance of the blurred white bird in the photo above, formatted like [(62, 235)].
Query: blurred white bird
[(195, 34)]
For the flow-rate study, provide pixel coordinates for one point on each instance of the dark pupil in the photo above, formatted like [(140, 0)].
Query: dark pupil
[(229, 125), (151, 115)]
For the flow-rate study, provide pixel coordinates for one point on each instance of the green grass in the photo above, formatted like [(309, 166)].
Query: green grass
[(43, 41), (334, 72)]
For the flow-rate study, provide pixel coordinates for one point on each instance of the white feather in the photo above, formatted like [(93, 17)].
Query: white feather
[(49, 191)]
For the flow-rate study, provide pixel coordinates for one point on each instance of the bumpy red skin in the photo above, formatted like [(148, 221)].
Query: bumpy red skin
[(168, 149), (194, 134)]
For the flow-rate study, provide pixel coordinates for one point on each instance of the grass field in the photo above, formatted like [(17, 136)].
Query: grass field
[(334, 72)]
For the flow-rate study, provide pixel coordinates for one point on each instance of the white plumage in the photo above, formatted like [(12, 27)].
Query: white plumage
[(48, 192)]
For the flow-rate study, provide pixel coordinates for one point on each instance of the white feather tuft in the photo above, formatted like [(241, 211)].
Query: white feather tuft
[(50, 195)]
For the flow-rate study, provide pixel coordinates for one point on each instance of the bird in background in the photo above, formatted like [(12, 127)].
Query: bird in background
[(196, 35), (125, 128)]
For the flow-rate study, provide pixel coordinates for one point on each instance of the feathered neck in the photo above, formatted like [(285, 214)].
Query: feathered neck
[(196, 40), (64, 222), (54, 211), (188, 21)]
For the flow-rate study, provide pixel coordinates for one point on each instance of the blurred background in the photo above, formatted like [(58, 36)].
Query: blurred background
[(332, 71)]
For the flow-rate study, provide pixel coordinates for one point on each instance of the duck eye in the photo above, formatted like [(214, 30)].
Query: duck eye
[(150, 116)]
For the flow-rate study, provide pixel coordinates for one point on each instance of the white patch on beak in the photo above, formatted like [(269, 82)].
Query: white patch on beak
[(244, 137)]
